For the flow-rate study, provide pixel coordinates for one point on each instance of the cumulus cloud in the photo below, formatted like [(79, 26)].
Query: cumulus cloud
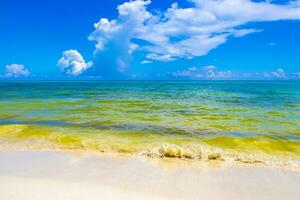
[(279, 73), (72, 63), (16, 71), (206, 72), (116, 35), (184, 32)]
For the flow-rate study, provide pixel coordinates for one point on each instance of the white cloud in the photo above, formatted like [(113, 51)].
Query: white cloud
[(117, 34), (146, 62), (209, 68), (211, 72), (279, 73), (163, 58), (72, 63), (185, 32), (16, 70), (206, 72)]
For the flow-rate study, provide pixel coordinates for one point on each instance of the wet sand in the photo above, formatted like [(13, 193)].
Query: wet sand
[(33, 175)]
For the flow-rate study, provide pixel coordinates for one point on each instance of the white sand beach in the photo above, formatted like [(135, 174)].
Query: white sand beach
[(29, 175)]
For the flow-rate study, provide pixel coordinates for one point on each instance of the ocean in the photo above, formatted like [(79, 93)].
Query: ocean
[(249, 121)]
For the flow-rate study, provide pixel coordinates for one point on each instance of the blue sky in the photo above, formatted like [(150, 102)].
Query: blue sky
[(179, 39)]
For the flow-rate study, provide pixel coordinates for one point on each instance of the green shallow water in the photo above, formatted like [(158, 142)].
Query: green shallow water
[(191, 119)]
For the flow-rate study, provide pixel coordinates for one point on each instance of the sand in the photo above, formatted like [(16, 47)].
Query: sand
[(31, 175)]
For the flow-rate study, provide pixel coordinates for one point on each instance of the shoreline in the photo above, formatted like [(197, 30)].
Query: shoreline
[(214, 157), (70, 175)]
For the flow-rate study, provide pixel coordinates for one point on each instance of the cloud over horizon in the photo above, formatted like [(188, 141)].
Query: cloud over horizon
[(16, 71), (72, 63), (211, 72), (206, 72), (279, 73)]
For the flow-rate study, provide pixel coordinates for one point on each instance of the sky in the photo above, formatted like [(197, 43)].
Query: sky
[(150, 39)]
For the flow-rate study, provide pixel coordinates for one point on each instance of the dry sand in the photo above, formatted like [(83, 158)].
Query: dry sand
[(67, 176)]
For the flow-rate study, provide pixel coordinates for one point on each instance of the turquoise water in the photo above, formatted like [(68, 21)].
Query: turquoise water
[(156, 118)]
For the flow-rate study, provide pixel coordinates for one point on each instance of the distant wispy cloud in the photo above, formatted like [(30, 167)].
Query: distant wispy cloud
[(279, 73), (146, 62), (212, 72), (206, 72), (72, 63), (16, 71)]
